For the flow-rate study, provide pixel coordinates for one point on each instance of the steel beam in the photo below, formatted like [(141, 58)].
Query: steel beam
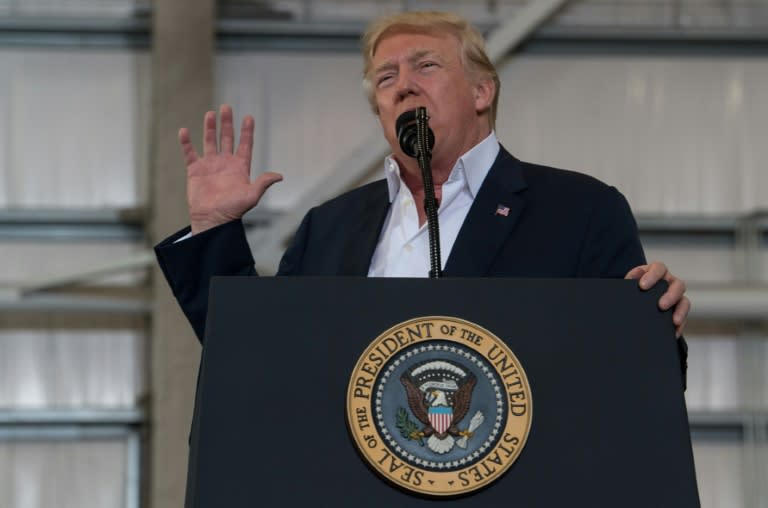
[(729, 302), (244, 28), (71, 224), (510, 33), (118, 416), (13, 302)]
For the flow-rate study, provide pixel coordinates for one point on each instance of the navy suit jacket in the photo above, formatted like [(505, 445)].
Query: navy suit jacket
[(560, 224)]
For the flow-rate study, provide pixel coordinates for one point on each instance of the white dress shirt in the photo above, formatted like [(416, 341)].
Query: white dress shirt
[(403, 247)]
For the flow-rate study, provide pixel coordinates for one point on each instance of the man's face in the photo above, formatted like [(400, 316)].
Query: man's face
[(411, 70)]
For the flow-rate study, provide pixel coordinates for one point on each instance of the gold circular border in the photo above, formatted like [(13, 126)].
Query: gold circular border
[(360, 413)]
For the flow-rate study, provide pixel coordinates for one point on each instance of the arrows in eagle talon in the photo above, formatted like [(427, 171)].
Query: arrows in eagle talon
[(476, 421)]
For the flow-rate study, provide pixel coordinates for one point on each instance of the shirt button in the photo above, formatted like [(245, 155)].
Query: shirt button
[(408, 247)]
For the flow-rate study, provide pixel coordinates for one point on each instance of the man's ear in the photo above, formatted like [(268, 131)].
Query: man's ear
[(485, 91)]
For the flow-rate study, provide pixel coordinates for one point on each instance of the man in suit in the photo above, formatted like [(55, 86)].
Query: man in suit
[(499, 217)]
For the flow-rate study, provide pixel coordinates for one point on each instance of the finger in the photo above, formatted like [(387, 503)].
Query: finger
[(655, 272), (673, 294), (680, 317), (263, 182), (209, 134), (636, 272), (187, 149), (227, 130), (245, 148)]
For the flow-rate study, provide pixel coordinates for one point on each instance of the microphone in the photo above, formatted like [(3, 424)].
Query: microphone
[(416, 140), (406, 128)]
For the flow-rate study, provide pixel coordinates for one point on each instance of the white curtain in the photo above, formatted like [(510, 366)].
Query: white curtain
[(54, 368), (72, 128), (676, 135), (57, 474)]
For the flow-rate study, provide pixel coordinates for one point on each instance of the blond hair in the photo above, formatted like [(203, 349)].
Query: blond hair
[(473, 57)]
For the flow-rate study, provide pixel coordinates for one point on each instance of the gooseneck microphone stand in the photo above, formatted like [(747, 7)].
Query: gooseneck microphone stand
[(416, 140)]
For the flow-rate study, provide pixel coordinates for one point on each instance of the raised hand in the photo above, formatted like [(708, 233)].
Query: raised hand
[(219, 187)]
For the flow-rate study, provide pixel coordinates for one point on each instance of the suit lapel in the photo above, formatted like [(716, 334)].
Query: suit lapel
[(484, 230), (364, 230)]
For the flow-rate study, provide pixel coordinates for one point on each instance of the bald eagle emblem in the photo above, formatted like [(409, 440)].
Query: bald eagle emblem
[(439, 395)]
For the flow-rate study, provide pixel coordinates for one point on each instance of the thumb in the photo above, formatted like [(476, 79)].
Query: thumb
[(263, 182), (637, 272)]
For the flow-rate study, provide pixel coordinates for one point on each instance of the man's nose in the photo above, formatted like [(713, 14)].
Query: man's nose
[(406, 85)]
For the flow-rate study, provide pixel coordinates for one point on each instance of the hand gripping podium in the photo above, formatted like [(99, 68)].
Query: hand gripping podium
[(607, 421)]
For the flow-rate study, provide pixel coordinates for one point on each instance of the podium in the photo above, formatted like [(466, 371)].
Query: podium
[(608, 428)]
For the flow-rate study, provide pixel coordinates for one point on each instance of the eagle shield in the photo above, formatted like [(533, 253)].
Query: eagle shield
[(441, 418)]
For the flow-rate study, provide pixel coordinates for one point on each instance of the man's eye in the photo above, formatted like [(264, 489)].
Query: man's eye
[(383, 80), (426, 65)]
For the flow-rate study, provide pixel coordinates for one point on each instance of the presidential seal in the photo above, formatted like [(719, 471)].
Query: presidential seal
[(439, 406)]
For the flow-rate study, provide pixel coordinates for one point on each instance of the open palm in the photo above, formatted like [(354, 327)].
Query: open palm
[(219, 187)]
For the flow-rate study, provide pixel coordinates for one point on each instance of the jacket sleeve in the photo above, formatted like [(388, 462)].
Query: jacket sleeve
[(188, 266)]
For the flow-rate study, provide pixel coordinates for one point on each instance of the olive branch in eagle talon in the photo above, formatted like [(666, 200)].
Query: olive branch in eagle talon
[(407, 427)]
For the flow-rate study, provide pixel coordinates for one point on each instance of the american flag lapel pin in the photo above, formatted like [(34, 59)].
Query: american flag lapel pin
[(502, 210)]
